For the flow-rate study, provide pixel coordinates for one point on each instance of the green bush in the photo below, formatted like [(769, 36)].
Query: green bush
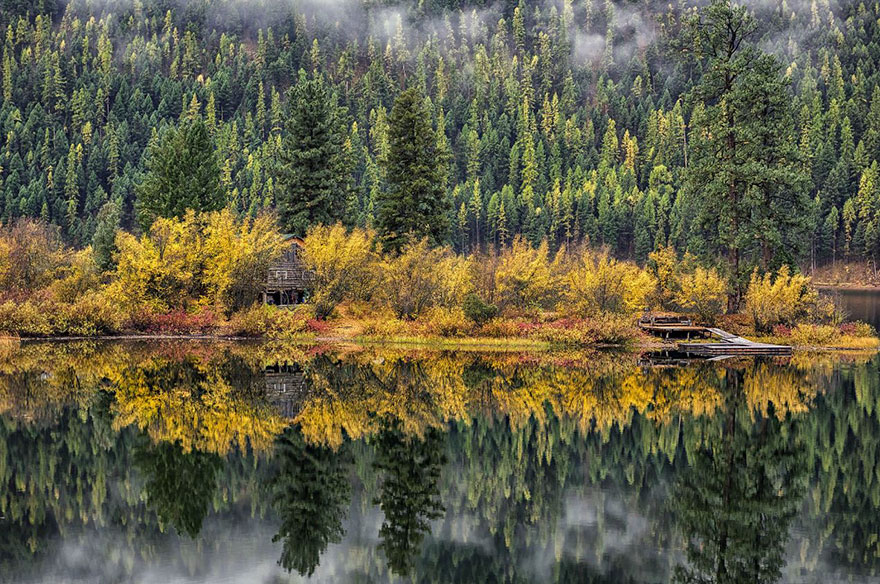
[(478, 311)]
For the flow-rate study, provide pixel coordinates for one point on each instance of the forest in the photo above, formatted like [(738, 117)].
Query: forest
[(628, 127)]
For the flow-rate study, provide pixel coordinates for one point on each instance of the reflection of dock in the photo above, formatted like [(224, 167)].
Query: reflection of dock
[(727, 343), (286, 388)]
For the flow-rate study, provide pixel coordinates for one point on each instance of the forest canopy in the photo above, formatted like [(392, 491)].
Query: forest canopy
[(564, 121)]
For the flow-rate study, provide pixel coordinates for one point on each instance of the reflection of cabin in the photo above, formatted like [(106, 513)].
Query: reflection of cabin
[(288, 281), (286, 388)]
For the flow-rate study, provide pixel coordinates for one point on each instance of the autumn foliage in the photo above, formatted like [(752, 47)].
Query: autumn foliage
[(203, 274)]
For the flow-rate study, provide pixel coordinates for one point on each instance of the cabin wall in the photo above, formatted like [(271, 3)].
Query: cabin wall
[(288, 280)]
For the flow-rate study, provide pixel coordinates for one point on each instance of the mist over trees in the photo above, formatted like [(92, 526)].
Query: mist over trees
[(567, 122)]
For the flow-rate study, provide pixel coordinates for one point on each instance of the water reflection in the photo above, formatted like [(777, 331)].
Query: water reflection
[(179, 485), (310, 493), (409, 495), (735, 501), (235, 462)]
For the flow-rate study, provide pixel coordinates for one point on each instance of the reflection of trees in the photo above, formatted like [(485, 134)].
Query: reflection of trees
[(735, 502), (310, 493), (409, 495), (843, 439), (179, 485), (524, 433)]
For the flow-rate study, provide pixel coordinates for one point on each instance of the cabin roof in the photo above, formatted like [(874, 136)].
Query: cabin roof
[(293, 238)]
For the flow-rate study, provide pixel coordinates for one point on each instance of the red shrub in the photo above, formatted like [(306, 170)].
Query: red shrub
[(318, 326), (181, 322), (781, 330)]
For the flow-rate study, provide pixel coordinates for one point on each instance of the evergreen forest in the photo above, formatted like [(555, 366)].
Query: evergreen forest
[(745, 135)]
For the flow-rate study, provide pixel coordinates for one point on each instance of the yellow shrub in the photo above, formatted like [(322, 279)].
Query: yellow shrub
[(456, 279), (780, 300), (523, 277), (80, 276), (269, 321), (25, 319), (91, 314), (385, 324), (163, 269), (238, 254), (445, 322), (814, 335), (415, 280), (210, 258), (344, 265), (604, 285), (31, 252), (703, 292), (664, 265)]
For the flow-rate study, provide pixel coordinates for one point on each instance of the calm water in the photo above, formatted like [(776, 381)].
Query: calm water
[(187, 462), (861, 305)]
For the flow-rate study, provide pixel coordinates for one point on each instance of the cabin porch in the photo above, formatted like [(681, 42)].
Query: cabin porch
[(284, 297)]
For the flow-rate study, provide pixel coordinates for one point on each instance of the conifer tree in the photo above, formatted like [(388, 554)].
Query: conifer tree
[(750, 188), (182, 173), (313, 174), (415, 204), (104, 240)]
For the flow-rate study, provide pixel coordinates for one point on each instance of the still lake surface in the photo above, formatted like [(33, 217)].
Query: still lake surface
[(858, 303), (188, 462)]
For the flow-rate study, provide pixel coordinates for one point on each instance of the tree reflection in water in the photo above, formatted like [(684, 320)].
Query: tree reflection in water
[(410, 493), (311, 493), (735, 502), (485, 466), (179, 485)]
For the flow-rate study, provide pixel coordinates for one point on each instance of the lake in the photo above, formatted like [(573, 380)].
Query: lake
[(198, 462), (858, 303)]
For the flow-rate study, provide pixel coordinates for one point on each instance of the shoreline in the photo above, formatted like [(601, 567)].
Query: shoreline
[(853, 287), (438, 343)]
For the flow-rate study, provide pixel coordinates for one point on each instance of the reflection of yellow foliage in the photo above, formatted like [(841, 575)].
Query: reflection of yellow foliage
[(205, 415), (184, 391), (787, 389)]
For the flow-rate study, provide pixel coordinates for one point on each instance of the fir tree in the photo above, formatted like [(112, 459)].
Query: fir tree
[(182, 173), (313, 173), (745, 174), (104, 240), (415, 204)]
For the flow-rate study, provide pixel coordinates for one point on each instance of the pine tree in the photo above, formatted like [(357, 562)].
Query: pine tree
[(182, 173), (750, 188), (313, 175), (104, 239), (415, 204)]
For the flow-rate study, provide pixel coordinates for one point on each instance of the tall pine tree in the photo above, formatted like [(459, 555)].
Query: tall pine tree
[(745, 173), (415, 204), (314, 171)]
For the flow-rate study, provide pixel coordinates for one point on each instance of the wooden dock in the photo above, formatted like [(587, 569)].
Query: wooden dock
[(672, 327), (726, 344)]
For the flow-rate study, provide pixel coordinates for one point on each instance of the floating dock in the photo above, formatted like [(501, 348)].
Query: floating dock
[(726, 344)]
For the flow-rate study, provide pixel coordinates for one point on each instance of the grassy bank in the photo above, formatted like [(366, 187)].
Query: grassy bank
[(450, 329)]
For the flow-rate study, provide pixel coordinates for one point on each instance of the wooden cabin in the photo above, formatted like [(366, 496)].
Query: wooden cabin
[(288, 282)]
